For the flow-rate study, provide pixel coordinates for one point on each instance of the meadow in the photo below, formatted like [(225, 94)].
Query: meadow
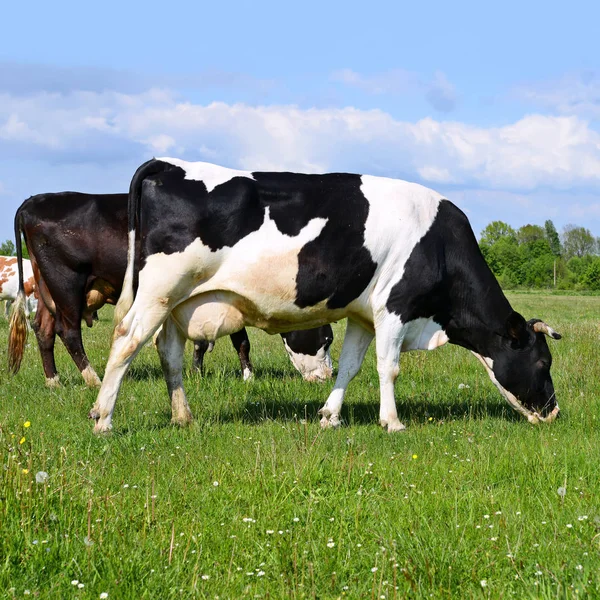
[(254, 500)]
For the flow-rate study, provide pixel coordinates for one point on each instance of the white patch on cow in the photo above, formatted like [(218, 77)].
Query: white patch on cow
[(211, 175), (126, 298), (423, 334), (257, 274), (312, 368), (400, 214)]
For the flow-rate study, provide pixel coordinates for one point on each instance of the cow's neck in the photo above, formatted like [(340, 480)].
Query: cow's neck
[(479, 311)]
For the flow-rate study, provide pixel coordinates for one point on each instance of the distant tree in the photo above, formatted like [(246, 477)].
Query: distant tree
[(7, 248), (553, 238), (578, 241), (495, 231), (530, 233), (591, 278)]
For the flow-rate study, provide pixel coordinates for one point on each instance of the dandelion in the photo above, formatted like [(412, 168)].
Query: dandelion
[(430, 419), (216, 483), (415, 457), (22, 440), (27, 424), (561, 491), (483, 583), (25, 471), (41, 477)]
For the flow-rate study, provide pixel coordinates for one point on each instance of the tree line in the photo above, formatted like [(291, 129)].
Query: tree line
[(538, 257)]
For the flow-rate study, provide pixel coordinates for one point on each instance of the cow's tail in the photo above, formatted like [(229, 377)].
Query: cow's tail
[(152, 167), (17, 336)]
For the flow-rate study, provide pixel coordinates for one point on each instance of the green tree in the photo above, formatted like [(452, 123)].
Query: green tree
[(578, 241), (495, 231), (591, 277), (7, 248), (530, 233), (553, 238)]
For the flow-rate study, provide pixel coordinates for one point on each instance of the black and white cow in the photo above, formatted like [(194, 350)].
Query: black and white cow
[(218, 249)]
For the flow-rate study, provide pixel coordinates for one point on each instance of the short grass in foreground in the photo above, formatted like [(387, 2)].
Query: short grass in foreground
[(254, 500)]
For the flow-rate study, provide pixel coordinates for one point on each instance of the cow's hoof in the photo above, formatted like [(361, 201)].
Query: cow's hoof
[(393, 425), (94, 413), (91, 378), (102, 428), (53, 382), (248, 374), (329, 421), (182, 421)]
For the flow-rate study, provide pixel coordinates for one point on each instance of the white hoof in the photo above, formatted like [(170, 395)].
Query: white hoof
[(53, 382), (102, 427), (248, 374), (329, 420), (392, 425)]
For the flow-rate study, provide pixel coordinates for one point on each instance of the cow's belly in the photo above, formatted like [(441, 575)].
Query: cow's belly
[(214, 314)]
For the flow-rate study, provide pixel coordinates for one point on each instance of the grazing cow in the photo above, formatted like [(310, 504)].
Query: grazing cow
[(78, 247), (213, 249), (9, 284)]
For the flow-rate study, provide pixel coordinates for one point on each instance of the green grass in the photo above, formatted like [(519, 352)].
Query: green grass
[(467, 494)]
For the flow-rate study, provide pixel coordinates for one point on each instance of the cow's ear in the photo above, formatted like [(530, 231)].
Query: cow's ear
[(516, 328)]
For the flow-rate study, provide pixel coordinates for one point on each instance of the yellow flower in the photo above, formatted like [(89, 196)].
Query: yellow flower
[(22, 440), (25, 471), (27, 424), (431, 418), (415, 457)]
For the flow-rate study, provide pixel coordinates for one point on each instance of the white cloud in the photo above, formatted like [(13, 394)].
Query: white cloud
[(537, 151)]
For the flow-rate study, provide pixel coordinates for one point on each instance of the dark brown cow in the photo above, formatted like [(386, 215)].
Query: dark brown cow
[(78, 249)]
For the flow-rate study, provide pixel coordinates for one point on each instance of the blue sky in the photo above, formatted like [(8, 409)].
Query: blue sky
[(494, 105)]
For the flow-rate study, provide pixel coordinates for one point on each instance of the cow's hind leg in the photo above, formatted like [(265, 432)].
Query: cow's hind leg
[(388, 342), (354, 348), (170, 344), (43, 326), (201, 347), (137, 327), (241, 343)]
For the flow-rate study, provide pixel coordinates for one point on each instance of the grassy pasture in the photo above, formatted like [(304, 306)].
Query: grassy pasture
[(255, 501)]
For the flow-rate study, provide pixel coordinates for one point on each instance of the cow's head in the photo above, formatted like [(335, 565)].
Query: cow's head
[(520, 368), (309, 352)]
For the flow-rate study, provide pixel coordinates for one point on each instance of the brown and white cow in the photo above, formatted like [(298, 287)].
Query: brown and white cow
[(9, 283), (78, 248)]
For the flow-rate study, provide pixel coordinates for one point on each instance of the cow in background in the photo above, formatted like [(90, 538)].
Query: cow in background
[(9, 284), (78, 248)]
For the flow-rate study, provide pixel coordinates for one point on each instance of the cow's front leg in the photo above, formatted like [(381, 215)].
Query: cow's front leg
[(388, 342), (354, 348), (170, 344)]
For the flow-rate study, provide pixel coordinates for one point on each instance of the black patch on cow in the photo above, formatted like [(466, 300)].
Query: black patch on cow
[(335, 266), (309, 341)]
